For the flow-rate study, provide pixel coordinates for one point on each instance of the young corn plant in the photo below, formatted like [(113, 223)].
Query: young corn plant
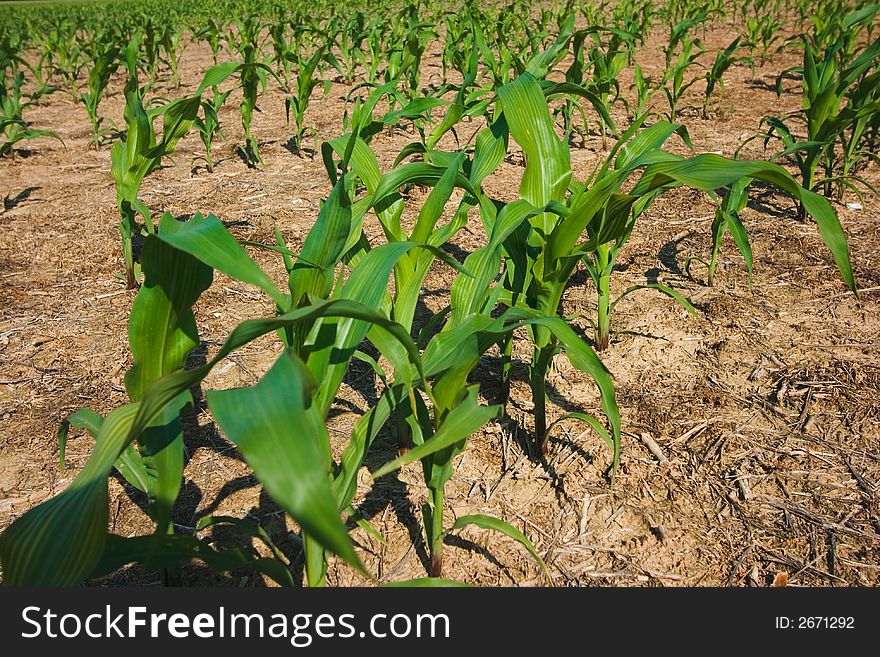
[(727, 220), (306, 82), (141, 151), (542, 256), (766, 30), (252, 75), (371, 56), (437, 432), (350, 39), (674, 84), (208, 124), (858, 140), (724, 59), (318, 358), (170, 43), (67, 57), (279, 436), (825, 88), (104, 62), (644, 89), (454, 413), (13, 127), (608, 60), (213, 33)]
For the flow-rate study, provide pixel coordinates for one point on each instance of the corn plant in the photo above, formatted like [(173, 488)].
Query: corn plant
[(371, 56), (322, 361), (608, 59), (644, 91), (724, 59), (858, 141), (727, 220), (404, 61), (104, 62), (213, 33), (306, 82), (67, 57), (282, 48), (764, 29), (152, 50), (350, 39), (825, 88), (674, 84), (13, 127), (170, 42), (287, 456), (679, 35), (208, 124), (542, 257), (141, 151), (252, 75)]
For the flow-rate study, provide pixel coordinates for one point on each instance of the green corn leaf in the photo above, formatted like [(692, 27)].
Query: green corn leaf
[(313, 273), (170, 551), (216, 75), (79, 513), (425, 582), (741, 237), (82, 419), (207, 239), (362, 435), (162, 329), (454, 353), (710, 172), (588, 419), (548, 169), (461, 421), (490, 149), (665, 289), (495, 524), (280, 431)]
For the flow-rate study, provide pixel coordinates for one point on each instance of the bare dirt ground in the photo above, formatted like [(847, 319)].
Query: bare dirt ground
[(765, 406)]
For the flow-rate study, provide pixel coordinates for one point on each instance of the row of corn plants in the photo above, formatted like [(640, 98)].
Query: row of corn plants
[(351, 292), (83, 51)]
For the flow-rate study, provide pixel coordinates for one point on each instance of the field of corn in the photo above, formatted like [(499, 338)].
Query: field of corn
[(342, 293)]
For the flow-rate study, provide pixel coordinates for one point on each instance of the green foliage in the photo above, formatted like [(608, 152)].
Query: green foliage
[(354, 290)]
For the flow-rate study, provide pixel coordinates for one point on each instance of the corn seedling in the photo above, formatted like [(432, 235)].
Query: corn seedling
[(170, 43), (306, 82), (104, 62), (208, 124), (13, 127), (723, 61), (252, 75), (674, 84), (141, 151)]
